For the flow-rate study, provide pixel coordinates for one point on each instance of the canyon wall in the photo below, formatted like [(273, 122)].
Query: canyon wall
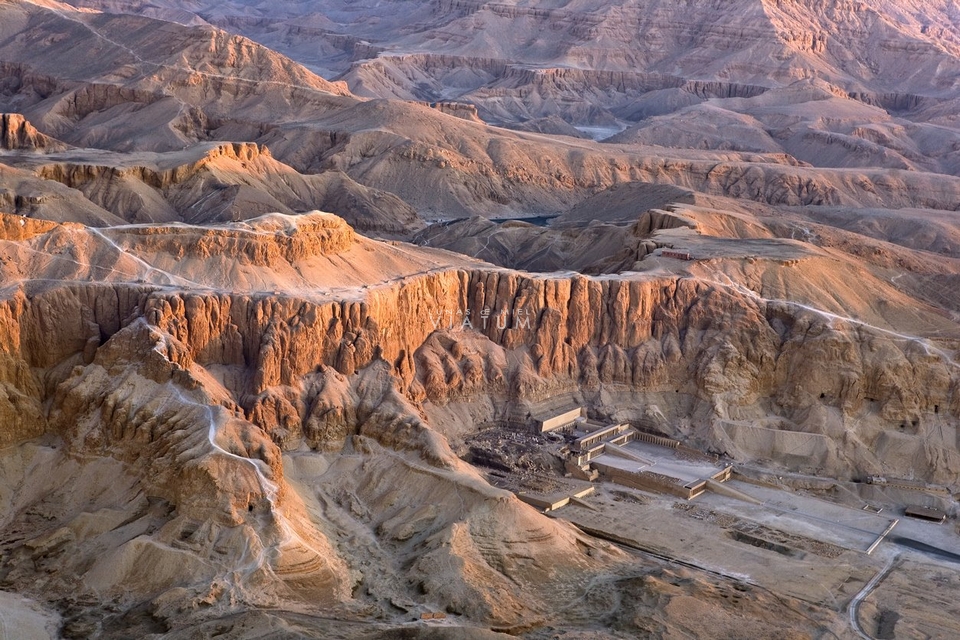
[(447, 335)]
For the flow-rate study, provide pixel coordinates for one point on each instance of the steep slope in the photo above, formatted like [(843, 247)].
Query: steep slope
[(810, 120), (602, 66), (259, 393), (760, 296), (438, 164), (874, 50), (199, 493), (447, 166), (226, 414), (696, 39), (207, 182), (17, 133), (173, 80)]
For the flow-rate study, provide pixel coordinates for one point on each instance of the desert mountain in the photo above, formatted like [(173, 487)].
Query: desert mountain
[(740, 40), (207, 182), (603, 66), (272, 401), (129, 88), (225, 411)]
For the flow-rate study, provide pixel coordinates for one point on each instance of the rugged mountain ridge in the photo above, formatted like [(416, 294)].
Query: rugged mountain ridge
[(209, 182), (151, 401), (418, 154), (732, 345), (17, 133), (288, 430), (225, 413), (778, 42)]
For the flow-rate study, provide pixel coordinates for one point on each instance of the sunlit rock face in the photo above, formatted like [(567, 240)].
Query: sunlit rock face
[(190, 385), (257, 305)]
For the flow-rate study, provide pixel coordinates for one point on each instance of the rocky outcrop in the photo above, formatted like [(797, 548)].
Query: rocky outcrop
[(594, 51), (292, 239), (95, 97), (255, 412), (391, 160), (76, 176), (612, 245), (895, 102), (202, 405), (719, 345), (217, 182), (455, 182), (20, 79), (18, 228), (18, 134), (219, 522), (456, 109)]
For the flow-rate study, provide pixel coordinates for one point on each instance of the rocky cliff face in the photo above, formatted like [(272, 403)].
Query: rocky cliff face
[(503, 172), (726, 348), (446, 51), (210, 182), (188, 398), (17, 133), (268, 444), (258, 403)]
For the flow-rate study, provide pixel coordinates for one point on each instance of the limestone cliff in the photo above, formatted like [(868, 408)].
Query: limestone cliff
[(190, 397), (269, 443), (208, 182), (224, 413), (730, 352), (17, 133)]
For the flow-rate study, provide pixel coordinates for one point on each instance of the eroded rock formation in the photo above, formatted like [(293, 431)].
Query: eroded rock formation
[(272, 443), (218, 404), (17, 133)]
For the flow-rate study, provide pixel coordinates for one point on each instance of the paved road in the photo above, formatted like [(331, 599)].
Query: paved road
[(867, 589), (928, 549)]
